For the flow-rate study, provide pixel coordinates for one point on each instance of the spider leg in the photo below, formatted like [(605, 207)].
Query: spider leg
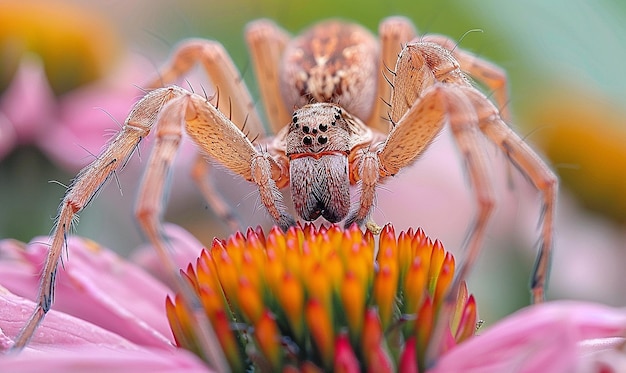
[(266, 42), (201, 175), (418, 114), (536, 171), (233, 99), (464, 123), (470, 113), (393, 33), (169, 130), (484, 71), (407, 140), (83, 189), (219, 138)]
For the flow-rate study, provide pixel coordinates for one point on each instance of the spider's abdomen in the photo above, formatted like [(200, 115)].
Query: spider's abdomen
[(332, 62)]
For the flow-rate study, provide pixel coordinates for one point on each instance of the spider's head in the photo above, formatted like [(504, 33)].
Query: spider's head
[(316, 129)]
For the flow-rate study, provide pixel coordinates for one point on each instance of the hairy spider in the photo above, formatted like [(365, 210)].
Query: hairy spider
[(321, 94)]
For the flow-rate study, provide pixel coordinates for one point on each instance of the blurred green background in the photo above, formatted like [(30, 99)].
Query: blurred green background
[(568, 97)]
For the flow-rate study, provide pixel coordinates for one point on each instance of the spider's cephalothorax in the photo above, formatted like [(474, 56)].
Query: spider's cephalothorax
[(343, 107)]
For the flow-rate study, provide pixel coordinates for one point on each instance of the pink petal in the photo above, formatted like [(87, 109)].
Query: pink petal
[(29, 103), (542, 338), (94, 284), (89, 115), (58, 329), (603, 355), (186, 250), (67, 344), (95, 359)]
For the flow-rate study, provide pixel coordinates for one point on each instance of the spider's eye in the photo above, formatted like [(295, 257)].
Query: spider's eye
[(322, 140), (323, 127), (306, 129), (294, 119), (307, 140)]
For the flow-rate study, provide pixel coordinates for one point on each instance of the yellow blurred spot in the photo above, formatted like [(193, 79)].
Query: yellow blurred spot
[(584, 136), (75, 43)]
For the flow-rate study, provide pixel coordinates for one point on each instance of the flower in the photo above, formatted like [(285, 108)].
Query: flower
[(333, 297), (97, 319), (99, 322)]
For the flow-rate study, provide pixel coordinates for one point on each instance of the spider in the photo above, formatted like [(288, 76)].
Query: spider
[(344, 107)]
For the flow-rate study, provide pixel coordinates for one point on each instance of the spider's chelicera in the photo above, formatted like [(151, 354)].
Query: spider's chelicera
[(344, 106)]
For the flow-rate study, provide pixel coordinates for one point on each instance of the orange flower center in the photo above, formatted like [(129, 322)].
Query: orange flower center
[(323, 299)]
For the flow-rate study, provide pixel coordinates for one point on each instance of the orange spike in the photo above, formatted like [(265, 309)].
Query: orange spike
[(318, 285), (205, 270), (291, 299), (232, 349), (321, 328), (260, 234), (249, 300), (414, 286), (172, 318), (276, 240), (212, 301), (267, 336), (444, 280), (387, 247), (353, 302), (424, 325), (334, 269), (274, 271), (384, 291), (404, 253), (374, 349), (436, 261), (369, 240), (467, 325)]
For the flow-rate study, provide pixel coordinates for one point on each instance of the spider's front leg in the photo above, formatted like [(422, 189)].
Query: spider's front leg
[(220, 138), (406, 141), (417, 114), (82, 191), (233, 99)]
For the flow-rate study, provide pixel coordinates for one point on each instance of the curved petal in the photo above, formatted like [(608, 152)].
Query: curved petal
[(94, 284), (540, 338), (187, 249), (28, 102), (87, 115), (64, 343)]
